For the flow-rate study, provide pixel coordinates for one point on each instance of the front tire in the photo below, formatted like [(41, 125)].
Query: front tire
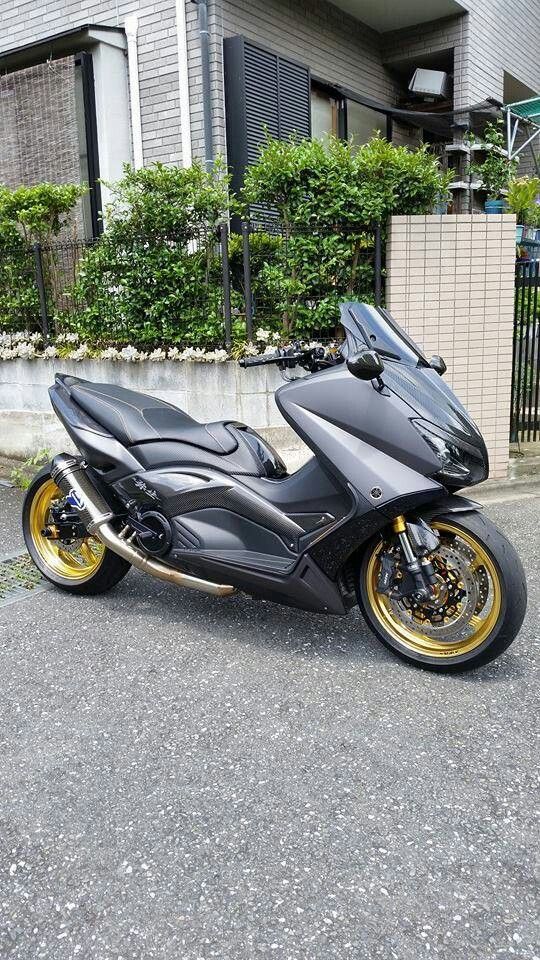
[(485, 601), (84, 566)]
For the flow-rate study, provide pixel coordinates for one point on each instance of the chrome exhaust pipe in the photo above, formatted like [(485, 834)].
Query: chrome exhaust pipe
[(72, 479)]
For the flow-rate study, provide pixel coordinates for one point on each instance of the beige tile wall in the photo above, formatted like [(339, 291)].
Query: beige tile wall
[(450, 283)]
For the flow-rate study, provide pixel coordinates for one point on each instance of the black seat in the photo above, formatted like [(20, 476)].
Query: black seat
[(134, 417)]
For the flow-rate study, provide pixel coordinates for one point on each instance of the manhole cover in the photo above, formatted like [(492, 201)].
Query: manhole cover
[(19, 578)]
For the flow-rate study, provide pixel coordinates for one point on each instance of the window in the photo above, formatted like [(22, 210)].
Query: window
[(363, 122), (58, 125), (332, 113), (325, 113)]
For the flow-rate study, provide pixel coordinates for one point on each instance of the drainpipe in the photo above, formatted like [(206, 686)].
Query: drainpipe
[(204, 41), (183, 83), (131, 24)]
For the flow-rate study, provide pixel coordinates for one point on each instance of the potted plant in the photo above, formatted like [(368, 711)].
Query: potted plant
[(523, 193), (496, 170)]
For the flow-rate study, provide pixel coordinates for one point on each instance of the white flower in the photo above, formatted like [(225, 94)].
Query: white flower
[(314, 345), (80, 353), (129, 354), (7, 353), (111, 353), (157, 355), (35, 338), (262, 335), (216, 356), (174, 353), (68, 338), (251, 350), (193, 353), (220, 356), (276, 337), (50, 353), (26, 351)]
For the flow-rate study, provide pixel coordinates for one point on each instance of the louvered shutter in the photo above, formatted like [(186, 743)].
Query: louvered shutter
[(263, 92)]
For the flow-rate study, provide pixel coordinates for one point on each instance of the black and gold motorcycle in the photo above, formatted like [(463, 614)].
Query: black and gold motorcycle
[(373, 518)]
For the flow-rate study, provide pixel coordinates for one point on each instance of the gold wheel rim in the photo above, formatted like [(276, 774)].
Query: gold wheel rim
[(414, 640), (77, 561)]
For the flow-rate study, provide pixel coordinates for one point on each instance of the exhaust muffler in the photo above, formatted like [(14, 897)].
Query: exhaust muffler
[(96, 515)]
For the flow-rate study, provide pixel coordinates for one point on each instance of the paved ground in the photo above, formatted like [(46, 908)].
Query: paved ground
[(189, 778)]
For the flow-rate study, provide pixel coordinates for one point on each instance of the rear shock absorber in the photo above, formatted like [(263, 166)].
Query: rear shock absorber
[(412, 564)]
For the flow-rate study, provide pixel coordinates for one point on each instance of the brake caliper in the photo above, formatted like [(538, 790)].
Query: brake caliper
[(406, 568), (66, 523)]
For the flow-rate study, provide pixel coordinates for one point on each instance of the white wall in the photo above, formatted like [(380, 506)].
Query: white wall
[(112, 112)]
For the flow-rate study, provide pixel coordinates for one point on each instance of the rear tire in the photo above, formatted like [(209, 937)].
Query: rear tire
[(495, 633), (85, 567)]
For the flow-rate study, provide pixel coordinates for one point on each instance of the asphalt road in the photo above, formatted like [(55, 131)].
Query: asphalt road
[(187, 778)]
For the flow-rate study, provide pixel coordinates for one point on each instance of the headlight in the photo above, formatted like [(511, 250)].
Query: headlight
[(462, 464)]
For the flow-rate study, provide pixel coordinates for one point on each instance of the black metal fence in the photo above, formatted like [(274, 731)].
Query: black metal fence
[(525, 405), (206, 289)]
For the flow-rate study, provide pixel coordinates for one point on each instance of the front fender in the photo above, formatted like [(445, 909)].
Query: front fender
[(452, 503)]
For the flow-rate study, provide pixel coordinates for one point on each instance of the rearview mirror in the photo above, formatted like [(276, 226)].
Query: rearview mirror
[(366, 365), (438, 365)]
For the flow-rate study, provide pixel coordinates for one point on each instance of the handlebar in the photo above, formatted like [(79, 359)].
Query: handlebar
[(259, 361), (286, 357)]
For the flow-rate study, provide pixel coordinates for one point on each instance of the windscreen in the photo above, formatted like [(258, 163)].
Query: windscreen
[(372, 328)]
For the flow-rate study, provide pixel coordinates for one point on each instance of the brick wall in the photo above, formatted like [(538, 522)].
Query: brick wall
[(428, 38), (495, 36), (450, 283), (338, 49), (28, 21), (502, 36)]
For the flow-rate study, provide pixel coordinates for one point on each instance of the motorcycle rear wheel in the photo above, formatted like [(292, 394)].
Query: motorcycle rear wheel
[(83, 566), (481, 602)]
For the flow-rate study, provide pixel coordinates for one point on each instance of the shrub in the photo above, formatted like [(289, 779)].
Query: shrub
[(522, 200), (497, 170), (328, 196), (39, 212), (333, 184), (154, 275), (29, 215)]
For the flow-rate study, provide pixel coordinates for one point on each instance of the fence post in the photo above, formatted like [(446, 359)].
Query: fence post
[(244, 227), (514, 399), (226, 275), (38, 265), (378, 265)]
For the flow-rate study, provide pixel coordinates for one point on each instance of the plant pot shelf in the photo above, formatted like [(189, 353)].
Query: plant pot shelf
[(487, 148), (457, 148)]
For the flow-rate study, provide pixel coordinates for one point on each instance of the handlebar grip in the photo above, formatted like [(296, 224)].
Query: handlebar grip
[(258, 361)]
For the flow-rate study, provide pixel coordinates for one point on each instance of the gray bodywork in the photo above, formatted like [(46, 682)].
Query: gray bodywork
[(233, 514)]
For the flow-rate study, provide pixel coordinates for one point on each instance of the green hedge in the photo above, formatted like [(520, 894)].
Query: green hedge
[(155, 275)]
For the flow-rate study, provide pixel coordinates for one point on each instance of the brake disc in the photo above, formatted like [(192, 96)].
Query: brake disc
[(462, 592)]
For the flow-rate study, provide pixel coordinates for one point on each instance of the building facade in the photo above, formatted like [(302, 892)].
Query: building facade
[(86, 86)]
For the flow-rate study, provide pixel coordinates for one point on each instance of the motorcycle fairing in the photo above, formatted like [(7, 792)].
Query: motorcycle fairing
[(364, 435), (284, 538)]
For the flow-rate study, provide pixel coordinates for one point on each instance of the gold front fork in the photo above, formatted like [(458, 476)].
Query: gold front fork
[(399, 524)]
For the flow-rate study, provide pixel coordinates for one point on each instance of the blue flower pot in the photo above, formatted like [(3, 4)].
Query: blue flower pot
[(494, 206)]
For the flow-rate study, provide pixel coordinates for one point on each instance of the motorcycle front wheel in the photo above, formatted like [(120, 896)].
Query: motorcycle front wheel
[(479, 600)]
